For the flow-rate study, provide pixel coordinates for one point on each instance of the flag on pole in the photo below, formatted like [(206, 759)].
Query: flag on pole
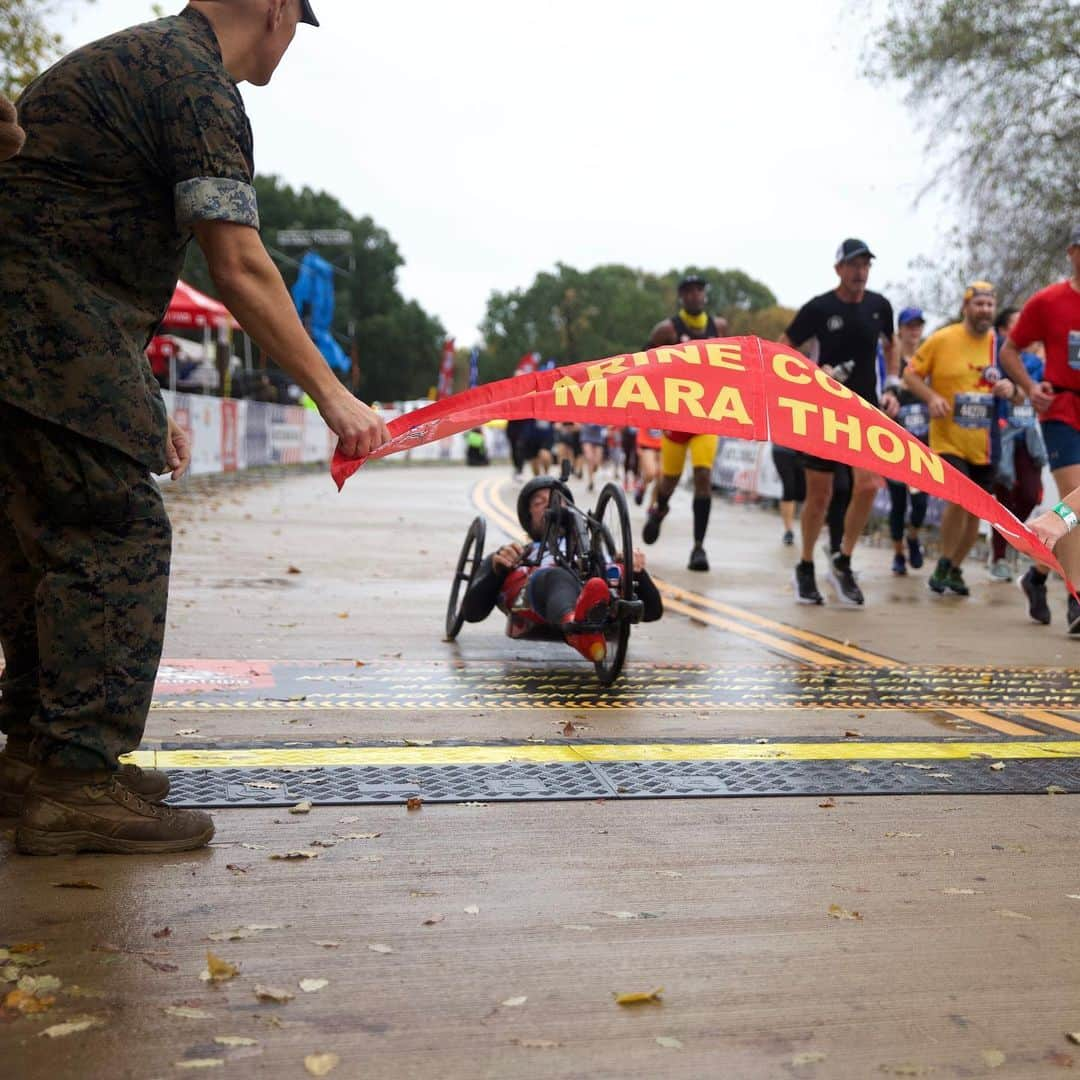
[(474, 366), (446, 370), (529, 363)]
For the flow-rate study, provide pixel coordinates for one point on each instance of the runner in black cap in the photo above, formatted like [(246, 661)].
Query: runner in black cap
[(847, 322)]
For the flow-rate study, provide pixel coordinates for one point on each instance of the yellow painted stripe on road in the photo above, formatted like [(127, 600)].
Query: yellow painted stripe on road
[(339, 756), (872, 659), (977, 716), (1041, 716), (770, 641)]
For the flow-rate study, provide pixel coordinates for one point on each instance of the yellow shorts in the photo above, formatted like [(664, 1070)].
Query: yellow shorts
[(673, 455)]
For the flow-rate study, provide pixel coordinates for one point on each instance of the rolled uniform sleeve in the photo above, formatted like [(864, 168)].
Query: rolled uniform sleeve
[(922, 363), (208, 151)]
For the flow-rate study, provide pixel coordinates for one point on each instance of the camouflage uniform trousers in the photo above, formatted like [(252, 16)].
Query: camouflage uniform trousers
[(85, 546)]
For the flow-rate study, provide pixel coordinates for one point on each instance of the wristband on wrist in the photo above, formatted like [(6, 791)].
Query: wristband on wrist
[(893, 382), (1068, 515)]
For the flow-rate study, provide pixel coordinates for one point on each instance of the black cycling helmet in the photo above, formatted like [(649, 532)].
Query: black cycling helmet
[(538, 483)]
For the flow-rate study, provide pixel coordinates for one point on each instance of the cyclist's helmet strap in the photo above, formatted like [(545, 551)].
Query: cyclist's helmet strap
[(538, 483)]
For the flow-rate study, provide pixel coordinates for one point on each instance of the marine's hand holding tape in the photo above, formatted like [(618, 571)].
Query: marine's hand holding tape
[(177, 450), (12, 136), (359, 428)]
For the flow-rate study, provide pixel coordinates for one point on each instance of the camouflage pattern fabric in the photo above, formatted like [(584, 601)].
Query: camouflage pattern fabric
[(85, 545), (130, 140)]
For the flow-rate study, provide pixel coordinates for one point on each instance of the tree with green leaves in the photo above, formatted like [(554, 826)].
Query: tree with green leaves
[(999, 84), (397, 341), (576, 315), (27, 45)]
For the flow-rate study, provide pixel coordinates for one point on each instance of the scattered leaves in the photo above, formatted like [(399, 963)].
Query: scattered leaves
[(234, 1040), (321, 1064), (218, 970), (72, 1026), (837, 912), (828, 804), (301, 807), (27, 1002), (414, 803), (1056, 789), (639, 997), (312, 986), (273, 993)]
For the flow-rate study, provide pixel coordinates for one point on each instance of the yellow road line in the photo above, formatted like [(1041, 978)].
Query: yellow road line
[(316, 757), (872, 659), (1043, 717), (770, 641)]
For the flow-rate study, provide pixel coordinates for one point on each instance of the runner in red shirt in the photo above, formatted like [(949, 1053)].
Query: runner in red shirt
[(1052, 316)]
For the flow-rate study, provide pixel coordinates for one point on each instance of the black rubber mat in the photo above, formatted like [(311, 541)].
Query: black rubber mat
[(516, 782)]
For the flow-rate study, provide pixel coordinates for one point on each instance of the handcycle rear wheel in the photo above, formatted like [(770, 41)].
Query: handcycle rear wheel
[(472, 551), (611, 540)]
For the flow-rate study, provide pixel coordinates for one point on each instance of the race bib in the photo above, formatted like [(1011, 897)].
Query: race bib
[(1074, 349), (915, 418), (1023, 416), (973, 411)]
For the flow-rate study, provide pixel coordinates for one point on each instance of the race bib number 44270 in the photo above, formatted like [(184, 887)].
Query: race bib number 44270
[(973, 411)]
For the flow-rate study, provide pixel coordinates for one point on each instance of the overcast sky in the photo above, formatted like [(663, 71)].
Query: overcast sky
[(492, 139)]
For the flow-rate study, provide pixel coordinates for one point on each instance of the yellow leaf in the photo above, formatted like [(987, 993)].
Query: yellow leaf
[(514, 1002), (321, 1064), (639, 997), (993, 1058), (220, 970), (811, 1057), (536, 1044), (234, 1040), (199, 1063), (70, 1027), (27, 1002), (838, 912), (301, 807)]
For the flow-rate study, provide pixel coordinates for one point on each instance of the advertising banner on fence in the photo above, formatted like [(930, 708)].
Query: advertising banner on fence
[(740, 388)]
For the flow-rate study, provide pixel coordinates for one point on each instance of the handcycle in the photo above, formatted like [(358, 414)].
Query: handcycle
[(588, 543)]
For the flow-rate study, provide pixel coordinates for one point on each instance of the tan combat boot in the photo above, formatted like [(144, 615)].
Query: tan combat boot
[(16, 772), (69, 810)]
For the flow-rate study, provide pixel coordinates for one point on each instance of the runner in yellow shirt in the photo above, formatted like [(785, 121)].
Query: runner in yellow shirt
[(955, 372)]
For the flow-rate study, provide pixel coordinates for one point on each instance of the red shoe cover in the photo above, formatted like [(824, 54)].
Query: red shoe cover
[(595, 593)]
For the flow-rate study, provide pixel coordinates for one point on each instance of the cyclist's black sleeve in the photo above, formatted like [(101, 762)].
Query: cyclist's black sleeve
[(483, 593), (647, 592)]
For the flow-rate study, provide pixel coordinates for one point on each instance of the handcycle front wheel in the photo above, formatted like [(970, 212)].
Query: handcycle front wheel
[(614, 538), (472, 551)]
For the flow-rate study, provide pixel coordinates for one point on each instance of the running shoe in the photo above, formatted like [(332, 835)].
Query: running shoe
[(651, 532), (899, 565), (1000, 570), (843, 581), (806, 590), (639, 494), (789, 538), (914, 552), (955, 582), (698, 559), (1074, 617), (938, 581), (1035, 591)]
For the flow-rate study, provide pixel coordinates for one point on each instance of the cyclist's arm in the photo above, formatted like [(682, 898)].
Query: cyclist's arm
[(483, 594), (646, 591)]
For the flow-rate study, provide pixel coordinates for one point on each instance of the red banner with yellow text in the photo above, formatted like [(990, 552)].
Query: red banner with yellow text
[(742, 388)]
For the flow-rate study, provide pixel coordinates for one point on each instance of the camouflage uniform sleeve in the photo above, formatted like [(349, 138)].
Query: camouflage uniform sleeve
[(207, 151)]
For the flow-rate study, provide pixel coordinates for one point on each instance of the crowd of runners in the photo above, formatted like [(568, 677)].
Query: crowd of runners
[(995, 392)]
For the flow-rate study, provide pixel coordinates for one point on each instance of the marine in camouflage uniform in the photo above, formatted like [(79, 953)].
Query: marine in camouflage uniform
[(130, 140)]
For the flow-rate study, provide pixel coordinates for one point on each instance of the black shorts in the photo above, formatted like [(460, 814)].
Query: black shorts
[(819, 464), (537, 440), (981, 475), (571, 440)]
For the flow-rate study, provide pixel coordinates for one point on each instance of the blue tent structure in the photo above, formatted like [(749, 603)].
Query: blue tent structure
[(313, 295)]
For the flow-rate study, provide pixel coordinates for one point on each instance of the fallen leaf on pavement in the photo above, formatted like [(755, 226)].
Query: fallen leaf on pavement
[(998, 766), (199, 1063), (913, 765), (349, 821), (629, 914), (294, 855), (1074, 1037), (951, 891), (668, 1042), (514, 1002), (27, 1002), (26, 947), (301, 807), (327, 944), (358, 836), (414, 803), (810, 1057), (293, 570), (433, 920), (187, 1013), (82, 883), (70, 1027), (907, 1068), (240, 933), (234, 1040), (311, 986), (993, 1058), (162, 933), (380, 948), (1056, 789), (859, 769), (576, 926), (472, 909), (828, 804), (159, 965), (1072, 896), (536, 1044), (639, 997), (273, 993), (321, 1064), (39, 984), (668, 873), (568, 728), (1062, 1061), (838, 912), (418, 742), (1007, 914), (852, 734), (905, 835), (218, 970)]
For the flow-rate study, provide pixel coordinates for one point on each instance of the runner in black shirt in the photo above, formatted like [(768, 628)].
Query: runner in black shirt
[(847, 323)]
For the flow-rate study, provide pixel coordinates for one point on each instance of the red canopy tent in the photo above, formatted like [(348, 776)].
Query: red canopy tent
[(190, 308)]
